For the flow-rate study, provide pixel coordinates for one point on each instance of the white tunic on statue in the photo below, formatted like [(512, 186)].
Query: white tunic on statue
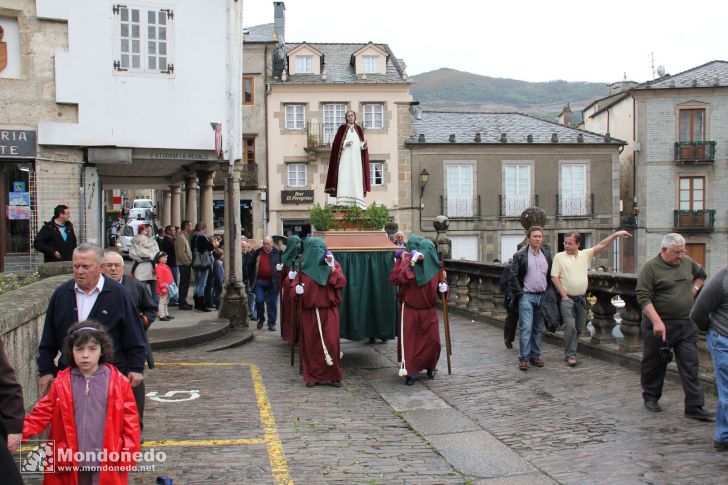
[(350, 184)]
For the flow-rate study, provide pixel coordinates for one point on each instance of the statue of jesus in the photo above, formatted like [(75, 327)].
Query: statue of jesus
[(348, 176)]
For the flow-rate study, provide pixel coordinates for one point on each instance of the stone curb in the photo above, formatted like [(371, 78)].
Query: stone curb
[(174, 339)]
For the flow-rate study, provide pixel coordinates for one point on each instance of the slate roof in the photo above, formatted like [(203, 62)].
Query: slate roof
[(708, 75), (338, 68), (260, 33), (437, 126)]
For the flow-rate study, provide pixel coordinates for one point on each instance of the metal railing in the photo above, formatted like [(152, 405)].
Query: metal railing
[(694, 220), (320, 135), (574, 205), (460, 206), (513, 205), (249, 176), (695, 151)]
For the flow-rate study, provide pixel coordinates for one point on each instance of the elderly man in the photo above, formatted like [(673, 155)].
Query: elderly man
[(710, 314), (666, 287), (265, 267), (91, 296)]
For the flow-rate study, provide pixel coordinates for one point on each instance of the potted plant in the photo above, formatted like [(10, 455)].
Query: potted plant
[(322, 218)]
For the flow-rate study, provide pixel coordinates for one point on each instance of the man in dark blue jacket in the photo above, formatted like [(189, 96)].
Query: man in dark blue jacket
[(91, 296)]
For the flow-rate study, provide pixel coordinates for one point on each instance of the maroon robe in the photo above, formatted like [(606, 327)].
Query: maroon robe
[(327, 299), (287, 305), (333, 175), (421, 323)]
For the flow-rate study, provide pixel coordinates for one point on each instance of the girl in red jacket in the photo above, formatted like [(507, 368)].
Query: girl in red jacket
[(164, 281), (92, 413)]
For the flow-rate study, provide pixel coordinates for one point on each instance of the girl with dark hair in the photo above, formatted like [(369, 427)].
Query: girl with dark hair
[(164, 282), (91, 411)]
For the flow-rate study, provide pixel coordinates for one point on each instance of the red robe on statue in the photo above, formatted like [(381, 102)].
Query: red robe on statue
[(332, 177), (327, 300), (421, 324)]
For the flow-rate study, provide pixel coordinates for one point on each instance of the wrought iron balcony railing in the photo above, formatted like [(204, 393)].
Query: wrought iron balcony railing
[(513, 205), (249, 176), (320, 135), (460, 206), (574, 205), (694, 220), (695, 151)]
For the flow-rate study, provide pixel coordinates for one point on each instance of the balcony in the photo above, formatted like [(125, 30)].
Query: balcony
[(249, 176), (694, 221), (575, 205), (513, 205), (695, 151), (460, 206), (320, 135)]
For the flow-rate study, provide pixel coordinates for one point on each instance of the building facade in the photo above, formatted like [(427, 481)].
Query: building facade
[(481, 170)]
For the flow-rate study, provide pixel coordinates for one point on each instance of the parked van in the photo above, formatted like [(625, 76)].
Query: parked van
[(143, 208)]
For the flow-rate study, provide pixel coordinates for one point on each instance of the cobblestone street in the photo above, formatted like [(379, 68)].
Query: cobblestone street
[(254, 421)]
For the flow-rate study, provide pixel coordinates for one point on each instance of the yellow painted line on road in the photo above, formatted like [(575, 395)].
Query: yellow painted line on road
[(203, 364), (278, 462), (241, 441)]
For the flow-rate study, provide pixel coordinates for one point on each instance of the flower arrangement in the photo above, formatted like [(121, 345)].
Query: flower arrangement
[(332, 218)]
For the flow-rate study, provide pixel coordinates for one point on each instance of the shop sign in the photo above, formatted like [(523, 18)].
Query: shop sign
[(296, 196), (17, 144)]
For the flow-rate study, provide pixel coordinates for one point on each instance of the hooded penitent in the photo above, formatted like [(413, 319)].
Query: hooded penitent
[(425, 270), (314, 266), (293, 248)]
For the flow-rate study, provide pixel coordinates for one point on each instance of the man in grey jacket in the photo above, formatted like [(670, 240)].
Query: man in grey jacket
[(710, 314)]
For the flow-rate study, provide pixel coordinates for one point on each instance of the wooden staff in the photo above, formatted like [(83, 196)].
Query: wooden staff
[(294, 324), (443, 300), (299, 318)]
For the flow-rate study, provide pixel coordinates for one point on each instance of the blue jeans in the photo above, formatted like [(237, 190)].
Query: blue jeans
[(200, 282), (175, 275), (718, 346), (251, 300), (266, 294), (531, 325)]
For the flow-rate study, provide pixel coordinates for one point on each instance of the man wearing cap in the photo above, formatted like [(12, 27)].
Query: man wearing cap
[(320, 288)]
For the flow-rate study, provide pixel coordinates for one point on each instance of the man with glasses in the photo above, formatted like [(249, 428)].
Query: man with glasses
[(666, 288)]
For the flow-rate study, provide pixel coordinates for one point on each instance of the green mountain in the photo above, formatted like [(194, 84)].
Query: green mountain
[(448, 89)]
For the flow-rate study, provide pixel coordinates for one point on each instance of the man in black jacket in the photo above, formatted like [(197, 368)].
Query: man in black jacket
[(56, 239), (264, 269), (167, 245), (529, 280), (12, 412), (90, 296)]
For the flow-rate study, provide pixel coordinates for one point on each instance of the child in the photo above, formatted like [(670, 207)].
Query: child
[(164, 280), (91, 410), (218, 273)]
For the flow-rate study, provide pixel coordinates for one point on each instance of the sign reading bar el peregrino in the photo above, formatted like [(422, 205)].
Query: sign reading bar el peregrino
[(17, 144), (296, 196)]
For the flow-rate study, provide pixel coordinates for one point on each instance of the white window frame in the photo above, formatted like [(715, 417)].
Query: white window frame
[(304, 64), (376, 174), (334, 115), (460, 195), (517, 196), (370, 64), (464, 244), (295, 116), (573, 194), (297, 175), (151, 38), (373, 114)]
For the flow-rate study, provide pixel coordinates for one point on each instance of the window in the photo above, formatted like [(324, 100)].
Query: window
[(692, 193), (517, 188), (249, 152), (143, 39), (464, 247), (334, 115), (370, 64), (692, 124), (296, 174), (376, 173), (295, 117), (304, 64), (573, 199), (460, 190), (248, 84), (373, 116)]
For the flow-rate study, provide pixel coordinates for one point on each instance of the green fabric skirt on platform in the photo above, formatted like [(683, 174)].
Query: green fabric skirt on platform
[(369, 307)]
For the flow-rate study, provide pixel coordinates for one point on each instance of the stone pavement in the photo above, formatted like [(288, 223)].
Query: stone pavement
[(254, 422)]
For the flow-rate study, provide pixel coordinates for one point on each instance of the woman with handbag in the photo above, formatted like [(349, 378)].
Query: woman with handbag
[(201, 263)]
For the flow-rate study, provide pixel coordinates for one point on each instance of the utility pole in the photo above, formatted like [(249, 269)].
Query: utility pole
[(234, 304)]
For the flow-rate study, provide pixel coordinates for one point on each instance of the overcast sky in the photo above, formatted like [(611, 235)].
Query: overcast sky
[(530, 40)]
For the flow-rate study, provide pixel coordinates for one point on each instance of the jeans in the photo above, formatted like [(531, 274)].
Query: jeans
[(175, 276), (200, 282), (718, 347), (531, 325), (573, 314), (266, 294), (152, 284), (251, 301)]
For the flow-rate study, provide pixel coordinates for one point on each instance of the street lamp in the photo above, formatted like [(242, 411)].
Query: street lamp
[(424, 178)]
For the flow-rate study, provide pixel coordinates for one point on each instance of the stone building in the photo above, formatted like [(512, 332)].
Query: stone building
[(482, 170)]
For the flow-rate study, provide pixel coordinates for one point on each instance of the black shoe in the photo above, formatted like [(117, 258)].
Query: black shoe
[(260, 325), (271, 329), (170, 317), (653, 406), (335, 383), (164, 319), (372, 340), (509, 345), (431, 373), (409, 380), (700, 414), (720, 445), (310, 384), (186, 306)]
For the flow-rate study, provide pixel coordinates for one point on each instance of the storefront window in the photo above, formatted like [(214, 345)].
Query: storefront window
[(246, 217), (16, 216)]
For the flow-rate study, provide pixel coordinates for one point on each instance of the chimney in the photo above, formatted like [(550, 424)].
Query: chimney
[(279, 21), (565, 116)]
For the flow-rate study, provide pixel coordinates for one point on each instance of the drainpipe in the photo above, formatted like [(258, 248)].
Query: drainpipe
[(267, 165), (82, 209)]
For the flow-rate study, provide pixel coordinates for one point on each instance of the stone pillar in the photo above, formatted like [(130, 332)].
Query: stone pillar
[(630, 327), (603, 320), (176, 212), (191, 199), (206, 183), (474, 302), (235, 302), (166, 208)]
